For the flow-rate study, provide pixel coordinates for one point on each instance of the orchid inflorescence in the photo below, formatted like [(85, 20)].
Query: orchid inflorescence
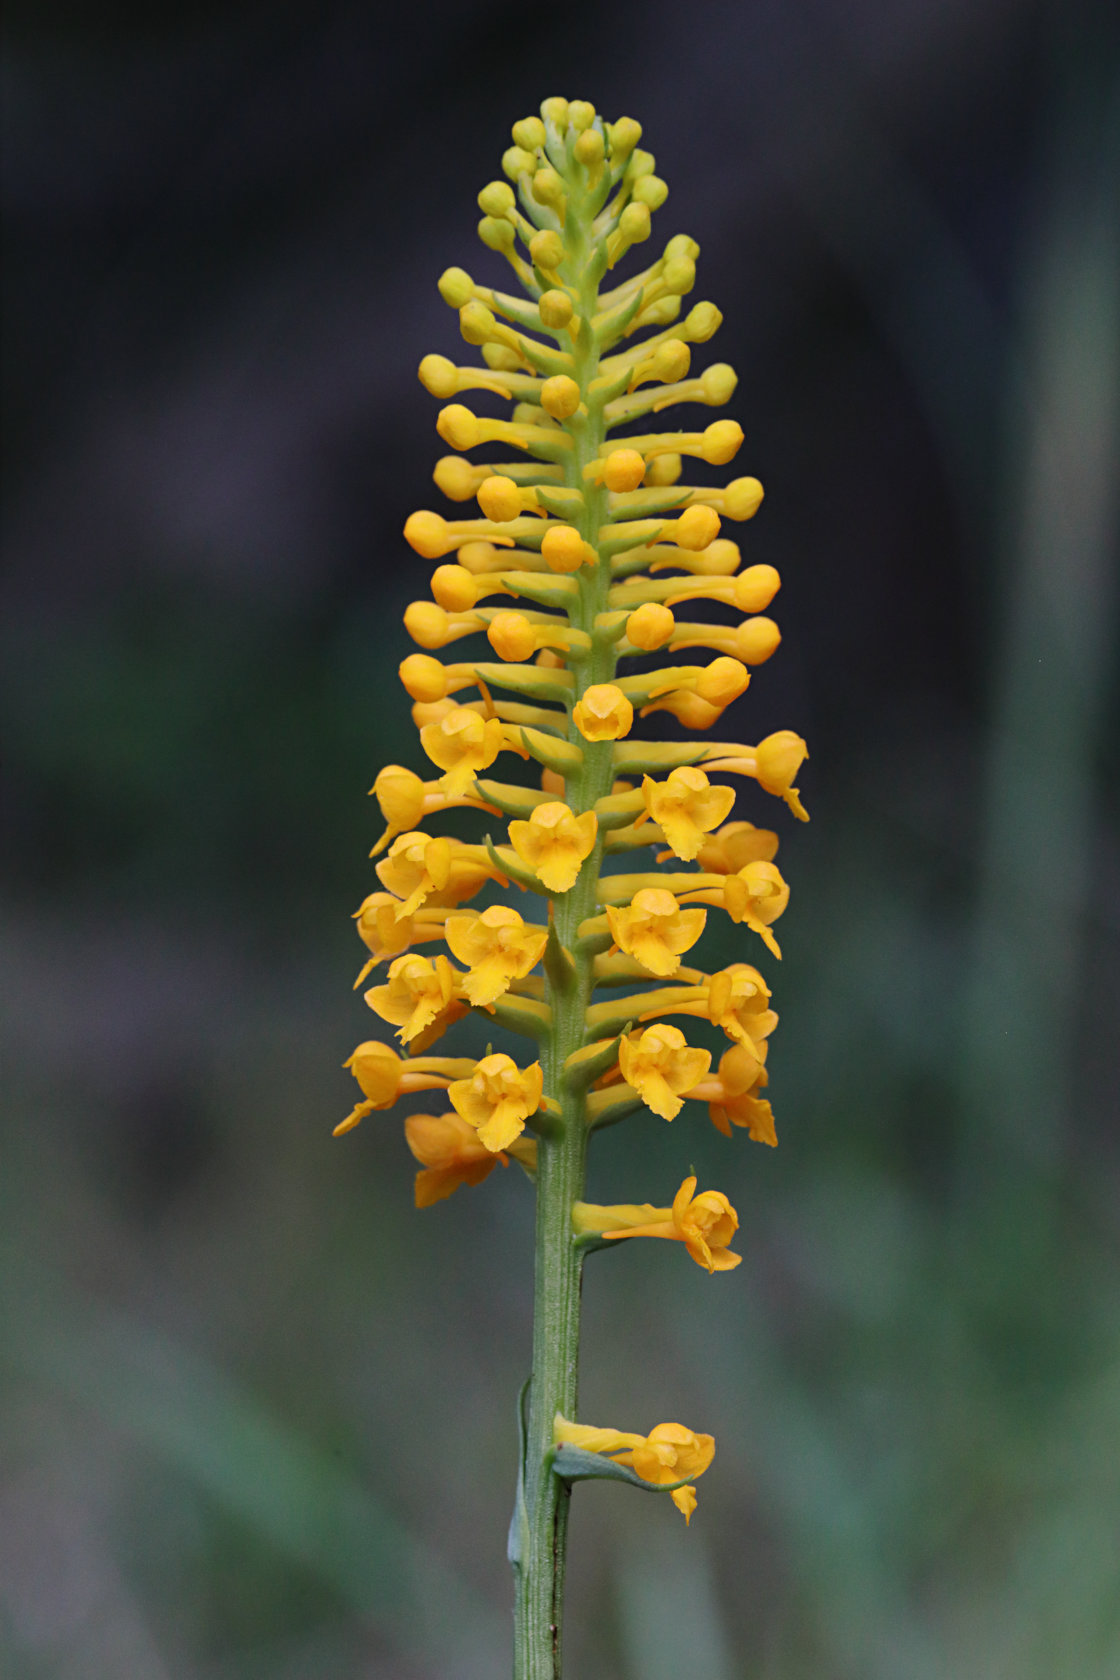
[(587, 552)]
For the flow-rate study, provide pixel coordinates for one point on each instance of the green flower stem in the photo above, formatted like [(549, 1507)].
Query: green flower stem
[(562, 1156)]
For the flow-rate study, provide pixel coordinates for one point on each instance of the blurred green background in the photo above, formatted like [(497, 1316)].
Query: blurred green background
[(257, 1415)]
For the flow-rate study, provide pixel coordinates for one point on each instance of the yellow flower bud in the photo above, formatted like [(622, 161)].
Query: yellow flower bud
[(603, 714), (741, 498), (660, 1065), (528, 133), (651, 191), (718, 383), (722, 681), (696, 528), (546, 249), (516, 161), (555, 111), (457, 426), (454, 588), (722, 441), (548, 188), (499, 498), (701, 323), (554, 842), (634, 223), (496, 199), (458, 480), (650, 626), (590, 149), (663, 470), (564, 550), (624, 136), (427, 533), (456, 287), (560, 396), (757, 639), (512, 637), (497, 947), (498, 1098), (623, 469), (686, 807), (556, 309), (461, 744), (426, 623), (654, 930), (581, 114), (439, 376), (400, 794), (756, 588)]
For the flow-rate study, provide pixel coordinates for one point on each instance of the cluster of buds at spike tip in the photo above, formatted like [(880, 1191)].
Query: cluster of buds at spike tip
[(569, 588)]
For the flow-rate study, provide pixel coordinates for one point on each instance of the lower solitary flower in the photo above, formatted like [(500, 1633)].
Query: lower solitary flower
[(669, 1453), (704, 1223)]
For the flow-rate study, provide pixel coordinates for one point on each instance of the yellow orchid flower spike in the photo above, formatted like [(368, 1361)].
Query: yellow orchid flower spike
[(561, 596)]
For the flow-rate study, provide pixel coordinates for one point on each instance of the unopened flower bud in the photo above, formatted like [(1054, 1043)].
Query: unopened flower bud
[(651, 191), (546, 249), (517, 162), (555, 308), (624, 470), (547, 187), (650, 626), (563, 548), (456, 478), (424, 678), (456, 287), (624, 136), (702, 321), (426, 624), (560, 396), (499, 499), (742, 498), (722, 441), (511, 636), (697, 527), (722, 681), (528, 133), (496, 199), (454, 588), (757, 639), (581, 114)]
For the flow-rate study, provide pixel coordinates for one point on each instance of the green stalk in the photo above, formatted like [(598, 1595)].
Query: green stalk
[(561, 1159)]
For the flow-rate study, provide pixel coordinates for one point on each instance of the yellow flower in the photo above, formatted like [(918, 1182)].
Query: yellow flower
[(732, 1094), (704, 1223), (661, 1066), (778, 759), (655, 931), (738, 1001), (461, 744), (669, 1453), (735, 845), (498, 1098), (384, 1076), (686, 807), (604, 713), (418, 868), (450, 1153), (420, 990), (554, 842), (497, 947), (382, 931), (757, 895)]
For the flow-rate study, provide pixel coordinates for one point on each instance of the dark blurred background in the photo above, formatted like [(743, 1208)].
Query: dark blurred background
[(257, 1414)]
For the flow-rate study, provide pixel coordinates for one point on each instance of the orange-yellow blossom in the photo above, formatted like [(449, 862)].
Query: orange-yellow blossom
[(733, 846), (497, 947), (732, 1094), (660, 1065), (418, 867), (384, 1076), (450, 1153), (669, 1453), (461, 744), (654, 930), (419, 991), (757, 894), (554, 842), (773, 763), (686, 807), (603, 714), (705, 1223), (498, 1098)]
